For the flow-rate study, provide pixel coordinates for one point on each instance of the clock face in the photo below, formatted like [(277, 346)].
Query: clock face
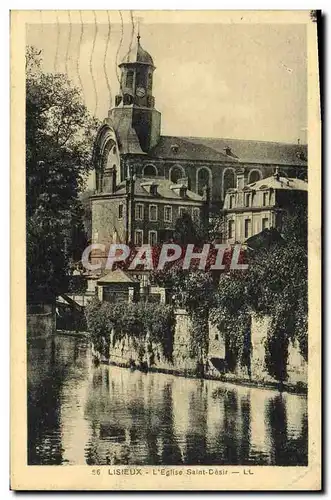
[(140, 92)]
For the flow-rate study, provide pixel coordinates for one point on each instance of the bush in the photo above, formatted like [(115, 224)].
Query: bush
[(134, 319)]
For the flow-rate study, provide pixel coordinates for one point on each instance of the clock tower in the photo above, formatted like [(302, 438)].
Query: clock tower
[(134, 116)]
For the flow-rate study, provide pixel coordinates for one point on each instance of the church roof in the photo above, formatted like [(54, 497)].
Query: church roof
[(183, 148), (164, 189), (137, 54), (230, 150)]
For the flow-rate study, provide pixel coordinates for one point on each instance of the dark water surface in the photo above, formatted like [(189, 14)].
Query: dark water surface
[(80, 414)]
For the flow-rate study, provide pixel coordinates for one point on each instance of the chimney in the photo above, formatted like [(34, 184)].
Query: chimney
[(276, 174), (241, 179)]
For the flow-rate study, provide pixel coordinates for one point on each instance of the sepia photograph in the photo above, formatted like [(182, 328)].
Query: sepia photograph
[(165, 164)]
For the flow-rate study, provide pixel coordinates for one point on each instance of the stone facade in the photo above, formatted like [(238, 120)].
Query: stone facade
[(251, 208), (144, 210)]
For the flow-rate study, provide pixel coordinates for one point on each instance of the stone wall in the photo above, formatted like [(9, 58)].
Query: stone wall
[(296, 365), (106, 226), (144, 353), (259, 329)]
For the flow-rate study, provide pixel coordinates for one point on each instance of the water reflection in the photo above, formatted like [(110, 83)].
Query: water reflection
[(80, 414)]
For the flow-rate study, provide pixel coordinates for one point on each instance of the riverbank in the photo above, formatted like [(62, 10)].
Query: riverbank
[(299, 389)]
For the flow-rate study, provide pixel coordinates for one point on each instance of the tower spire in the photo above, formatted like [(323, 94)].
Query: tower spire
[(138, 30)]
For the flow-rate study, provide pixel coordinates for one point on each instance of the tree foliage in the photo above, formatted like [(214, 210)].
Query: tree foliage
[(59, 138), (137, 320)]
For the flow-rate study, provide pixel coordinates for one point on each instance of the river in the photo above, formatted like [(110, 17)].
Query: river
[(85, 415)]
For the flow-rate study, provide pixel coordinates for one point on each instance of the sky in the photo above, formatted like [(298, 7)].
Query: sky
[(245, 81)]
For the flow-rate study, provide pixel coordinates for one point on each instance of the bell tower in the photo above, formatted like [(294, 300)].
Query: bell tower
[(134, 113)]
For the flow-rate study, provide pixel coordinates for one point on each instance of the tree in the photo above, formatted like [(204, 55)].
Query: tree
[(59, 138), (186, 230)]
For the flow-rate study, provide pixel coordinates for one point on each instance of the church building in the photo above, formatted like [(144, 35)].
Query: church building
[(131, 151)]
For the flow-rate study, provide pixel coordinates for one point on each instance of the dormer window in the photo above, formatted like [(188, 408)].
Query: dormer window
[(153, 190), (151, 187), (228, 151), (179, 189)]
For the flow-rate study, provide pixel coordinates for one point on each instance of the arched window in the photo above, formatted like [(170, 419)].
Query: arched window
[(176, 172), (229, 180), (149, 171), (203, 180), (254, 176), (110, 153)]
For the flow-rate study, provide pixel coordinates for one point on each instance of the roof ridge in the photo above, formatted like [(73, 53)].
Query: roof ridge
[(232, 139), (185, 139)]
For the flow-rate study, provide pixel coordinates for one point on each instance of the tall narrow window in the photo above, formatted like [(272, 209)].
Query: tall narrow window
[(153, 213), (247, 199), (203, 180), (129, 79), (139, 211), (140, 79), (150, 81), (231, 201), (196, 214), (231, 229), (138, 237), (265, 223), (265, 199), (247, 228), (167, 214), (152, 238), (229, 181), (181, 211), (120, 211)]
